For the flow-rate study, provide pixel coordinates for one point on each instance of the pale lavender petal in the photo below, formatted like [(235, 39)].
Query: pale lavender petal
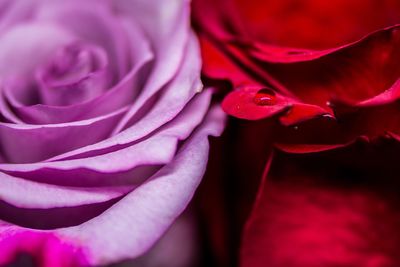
[(28, 194), (110, 166), (173, 99), (135, 223), (178, 247), (31, 143), (77, 73), (52, 218), (157, 149), (13, 12), (168, 27), (94, 22), (5, 110), (22, 48), (118, 96)]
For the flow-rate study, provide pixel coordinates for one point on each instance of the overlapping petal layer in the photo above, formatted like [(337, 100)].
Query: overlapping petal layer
[(313, 72)]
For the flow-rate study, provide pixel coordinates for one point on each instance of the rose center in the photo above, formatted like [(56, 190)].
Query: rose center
[(76, 73)]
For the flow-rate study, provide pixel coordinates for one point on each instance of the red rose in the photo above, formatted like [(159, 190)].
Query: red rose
[(323, 76)]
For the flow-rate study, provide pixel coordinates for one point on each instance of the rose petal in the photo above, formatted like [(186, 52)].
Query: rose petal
[(217, 65), (242, 103), (28, 194), (324, 211), (165, 252), (155, 150), (167, 26), (172, 100), (148, 211), (38, 141), (316, 24), (92, 23), (118, 96), (13, 12), (26, 41)]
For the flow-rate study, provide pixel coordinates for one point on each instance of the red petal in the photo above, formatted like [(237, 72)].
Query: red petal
[(350, 69), (352, 74), (314, 24), (241, 103), (216, 65), (315, 211), (358, 74)]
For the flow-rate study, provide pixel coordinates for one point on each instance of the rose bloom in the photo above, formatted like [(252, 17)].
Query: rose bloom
[(319, 81), (103, 131)]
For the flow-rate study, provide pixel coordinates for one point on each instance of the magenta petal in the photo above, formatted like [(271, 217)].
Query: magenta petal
[(45, 249)]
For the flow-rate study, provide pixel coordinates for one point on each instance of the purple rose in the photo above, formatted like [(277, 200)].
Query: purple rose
[(103, 123)]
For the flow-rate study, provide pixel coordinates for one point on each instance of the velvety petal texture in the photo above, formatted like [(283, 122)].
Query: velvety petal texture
[(104, 127), (314, 89), (324, 210)]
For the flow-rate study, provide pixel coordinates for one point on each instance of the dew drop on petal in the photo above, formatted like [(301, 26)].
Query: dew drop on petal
[(265, 97)]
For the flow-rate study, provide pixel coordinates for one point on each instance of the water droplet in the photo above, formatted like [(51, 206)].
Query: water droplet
[(330, 104), (265, 97)]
